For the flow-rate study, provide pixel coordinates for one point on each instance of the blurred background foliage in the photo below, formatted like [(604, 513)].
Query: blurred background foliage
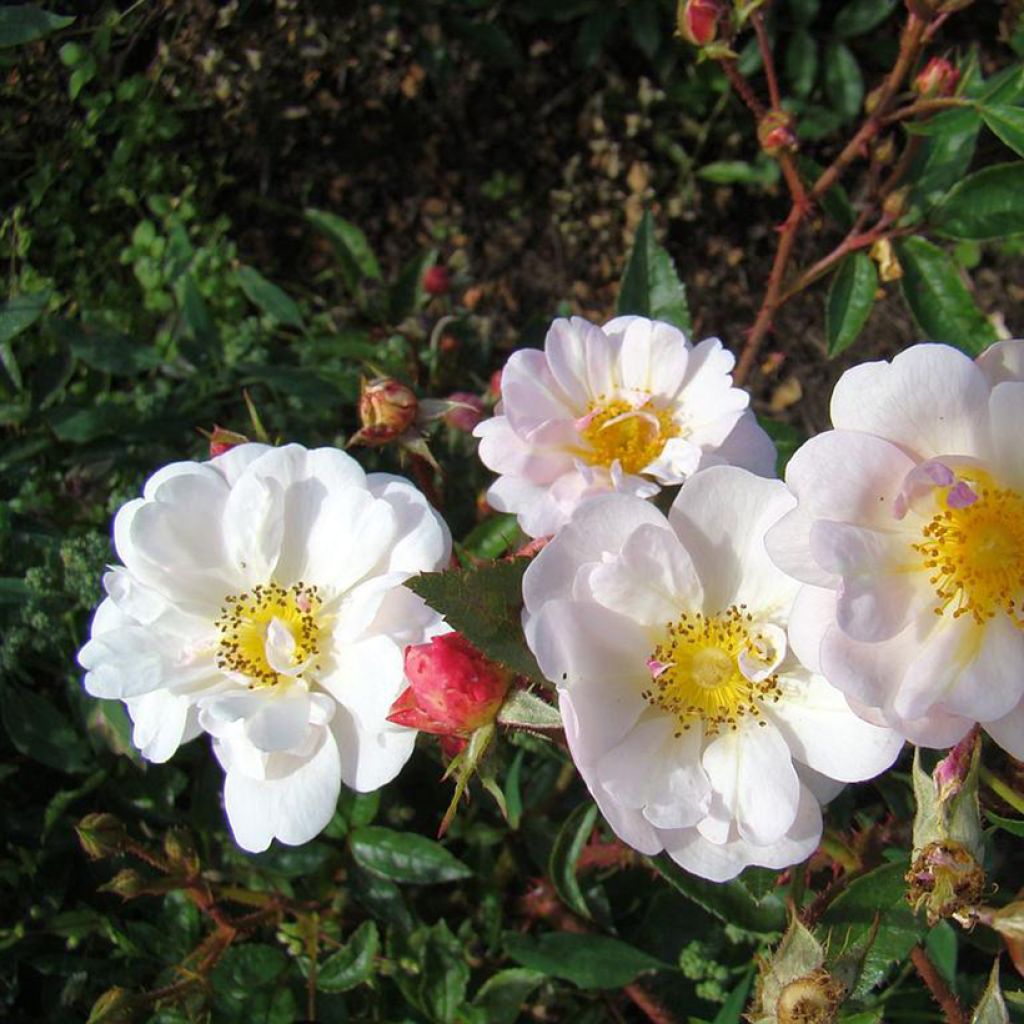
[(222, 213)]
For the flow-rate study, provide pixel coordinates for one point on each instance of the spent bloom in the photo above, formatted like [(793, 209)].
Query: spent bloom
[(260, 600), (453, 689), (908, 537), (695, 728), (631, 407)]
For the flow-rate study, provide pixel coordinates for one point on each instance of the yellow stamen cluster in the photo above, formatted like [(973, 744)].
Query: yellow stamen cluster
[(245, 619), (697, 673), (975, 556), (635, 435)]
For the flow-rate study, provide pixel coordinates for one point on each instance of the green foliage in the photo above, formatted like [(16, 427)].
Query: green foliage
[(851, 298), (650, 285)]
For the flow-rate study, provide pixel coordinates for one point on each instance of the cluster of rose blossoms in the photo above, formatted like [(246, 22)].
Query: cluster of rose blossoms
[(721, 670)]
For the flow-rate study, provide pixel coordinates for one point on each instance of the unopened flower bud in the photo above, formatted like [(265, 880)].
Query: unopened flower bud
[(222, 440), (812, 999), (895, 202), (180, 850), (775, 133), (872, 100), (944, 880), (101, 835), (697, 20), (453, 688), (387, 409), (115, 1006), (885, 152), (952, 771), (937, 78), (437, 281), (127, 884), (467, 414)]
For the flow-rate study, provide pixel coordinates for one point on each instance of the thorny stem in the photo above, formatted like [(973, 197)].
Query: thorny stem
[(739, 83), (765, 45), (949, 1003), (911, 40), (1002, 789)]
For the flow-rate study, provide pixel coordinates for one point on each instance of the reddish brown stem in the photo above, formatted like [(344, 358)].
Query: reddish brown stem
[(949, 1003), (765, 45), (739, 83)]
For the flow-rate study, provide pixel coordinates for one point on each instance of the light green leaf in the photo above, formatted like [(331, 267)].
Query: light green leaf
[(991, 1008), (589, 961), (350, 246), (938, 298), (352, 965), (860, 16), (1015, 826), (405, 856), (844, 83), (38, 730), (988, 204), (494, 536), (650, 285), (945, 157), (850, 301), (736, 1001), (740, 172), (269, 299), (565, 852), (23, 23)]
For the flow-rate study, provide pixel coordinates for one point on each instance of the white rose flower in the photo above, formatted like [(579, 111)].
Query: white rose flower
[(909, 536), (630, 407), (261, 600), (695, 728)]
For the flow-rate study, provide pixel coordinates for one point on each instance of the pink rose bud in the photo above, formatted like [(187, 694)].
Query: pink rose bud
[(697, 20), (453, 688), (437, 281), (467, 414), (387, 409), (775, 133), (222, 440), (938, 78), (494, 385)]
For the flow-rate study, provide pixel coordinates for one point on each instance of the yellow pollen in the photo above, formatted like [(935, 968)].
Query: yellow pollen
[(975, 555), (245, 620), (635, 435), (697, 675)]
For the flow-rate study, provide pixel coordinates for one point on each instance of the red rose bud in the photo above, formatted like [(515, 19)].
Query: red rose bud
[(453, 688), (467, 414), (387, 409), (775, 133), (494, 385), (222, 440), (437, 281), (697, 20), (937, 78)]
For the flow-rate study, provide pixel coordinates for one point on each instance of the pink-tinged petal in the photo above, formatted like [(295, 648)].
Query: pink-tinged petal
[(292, 803), (530, 393), (788, 544), (602, 526), (1008, 731), (747, 446), (751, 768), (1003, 361), (721, 515), (580, 357), (824, 732), (721, 862), (813, 612), (930, 400), (1006, 409), (651, 581), (628, 824), (541, 456)]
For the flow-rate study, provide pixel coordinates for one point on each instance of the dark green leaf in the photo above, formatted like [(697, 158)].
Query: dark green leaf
[(944, 158), (569, 842), (1008, 124), (988, 204), (645, 25), (502, 995), (836, 201), (1006, 87), (407, 295), (589, 961), (38, 730), (732, 1009), (941, 947), (194, 311), (20, 312), (593, 34), (850, 301), (938, 298), (249, 986), (844, 83), (352, 965), (1015, 826), (405, 856), (22, 23), (650, 285), (484, 604), (13, 590), (730, 902), (801, 63), (880, 894), (269, 299), (80, 426), (110, 352), (445, 974), (860, 16), (350, 245), (803, 12), (949, 122)]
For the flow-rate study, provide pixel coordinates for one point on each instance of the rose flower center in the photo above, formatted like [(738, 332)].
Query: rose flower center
[(713, 670), (974, 551), (270, 633), (633, 434)]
